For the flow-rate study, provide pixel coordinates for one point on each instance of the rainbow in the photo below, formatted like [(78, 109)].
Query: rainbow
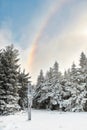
[(42, 30)]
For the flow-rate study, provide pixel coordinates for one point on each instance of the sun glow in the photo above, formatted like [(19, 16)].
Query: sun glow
[(81, 31), (85, 31)]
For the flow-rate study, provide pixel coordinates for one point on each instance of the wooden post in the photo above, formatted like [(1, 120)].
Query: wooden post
[(29, 112)]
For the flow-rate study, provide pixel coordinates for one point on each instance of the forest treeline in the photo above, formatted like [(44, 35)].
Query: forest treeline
[(53, 90), (63, 92)]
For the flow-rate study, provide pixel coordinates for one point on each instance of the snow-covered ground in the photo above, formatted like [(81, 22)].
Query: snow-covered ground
[(44, 120)]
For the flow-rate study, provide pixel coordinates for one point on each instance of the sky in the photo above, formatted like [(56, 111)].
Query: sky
[(44, 31)]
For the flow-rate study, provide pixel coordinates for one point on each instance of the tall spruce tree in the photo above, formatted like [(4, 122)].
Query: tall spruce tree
[(9, 66)]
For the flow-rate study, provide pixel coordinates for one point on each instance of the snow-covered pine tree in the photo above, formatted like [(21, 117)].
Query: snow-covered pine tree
[(56, 73), (73, 73), (46, 90), (56, 88), (40, 78), (23, 82), (73, 69), (74, 88), (83, 68), (82, 83), (83, 61), (2, 89), (50, 90), (9, 65), (37, 95), (71, 88), (78, 86)]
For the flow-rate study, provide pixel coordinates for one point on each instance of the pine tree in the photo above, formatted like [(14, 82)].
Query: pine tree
[(83, 61), (23, 81), (73, 68), (9, 66), (38, 92), (56, 73), (73, 73), (40, 78), (2, 89)]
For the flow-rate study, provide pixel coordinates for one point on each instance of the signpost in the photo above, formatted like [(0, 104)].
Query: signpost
[(29, 101)]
